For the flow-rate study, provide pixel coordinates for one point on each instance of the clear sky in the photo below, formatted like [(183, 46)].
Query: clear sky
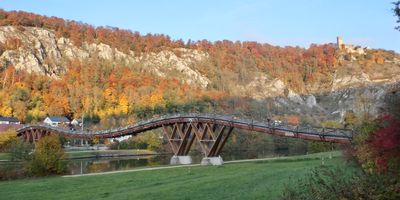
[(279, 22)]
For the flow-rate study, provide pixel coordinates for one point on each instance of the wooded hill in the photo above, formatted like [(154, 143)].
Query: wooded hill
[(52, 66)]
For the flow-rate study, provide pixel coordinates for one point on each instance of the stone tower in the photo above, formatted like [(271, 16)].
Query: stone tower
[(339, 42)]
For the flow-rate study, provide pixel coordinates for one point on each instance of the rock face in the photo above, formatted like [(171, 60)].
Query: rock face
[(42, 52), (264, 86), (38, 50), (37, 47), (167, 63)]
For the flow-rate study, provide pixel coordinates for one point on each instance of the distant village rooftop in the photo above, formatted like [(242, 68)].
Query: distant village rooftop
[(56, 120), (9, 120)]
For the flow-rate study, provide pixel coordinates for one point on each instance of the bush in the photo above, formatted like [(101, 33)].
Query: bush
[(147, 140), (385, 145), (335, 183), (11, 173), (377, 151), (6, 136), (19, 150), (48, 157), (317, 146)]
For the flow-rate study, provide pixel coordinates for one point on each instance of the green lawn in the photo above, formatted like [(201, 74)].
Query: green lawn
[(252, 180)]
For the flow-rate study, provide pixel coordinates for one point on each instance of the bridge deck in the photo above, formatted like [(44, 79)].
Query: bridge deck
[(336, 135)]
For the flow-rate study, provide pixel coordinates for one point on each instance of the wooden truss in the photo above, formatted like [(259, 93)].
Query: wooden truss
[(34, 135), (211, 137)]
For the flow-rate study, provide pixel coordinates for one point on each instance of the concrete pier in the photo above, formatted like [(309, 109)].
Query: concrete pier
[(212, 161), (181, 160)]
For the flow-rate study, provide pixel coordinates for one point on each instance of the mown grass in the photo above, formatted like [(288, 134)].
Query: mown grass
[(251, 180)]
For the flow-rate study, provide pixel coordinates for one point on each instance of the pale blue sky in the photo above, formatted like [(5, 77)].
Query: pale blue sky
[(278, 22)]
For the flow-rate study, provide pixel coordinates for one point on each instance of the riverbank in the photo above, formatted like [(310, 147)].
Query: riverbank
[(69, 155), (260, 179), (107, 153)]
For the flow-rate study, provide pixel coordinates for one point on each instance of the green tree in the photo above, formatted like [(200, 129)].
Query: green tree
[(152, 140), (396, 11), (48, 157), (317, 146), (350, 119), (19, 150), (7, 135)]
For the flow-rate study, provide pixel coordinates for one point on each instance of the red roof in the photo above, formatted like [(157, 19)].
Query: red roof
[(5, 127)]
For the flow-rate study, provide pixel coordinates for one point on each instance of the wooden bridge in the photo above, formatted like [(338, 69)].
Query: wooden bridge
[(210, 130)]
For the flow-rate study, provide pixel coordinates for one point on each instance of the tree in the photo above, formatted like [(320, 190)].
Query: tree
[(350, 119), (7, 135), (18, 149), (396, 11), (317, 146), (48, 157), (385, 144), (152, 140)]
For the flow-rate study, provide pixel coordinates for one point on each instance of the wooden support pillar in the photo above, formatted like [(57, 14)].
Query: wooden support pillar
[(211, 141), (185, 132), (219, 149)]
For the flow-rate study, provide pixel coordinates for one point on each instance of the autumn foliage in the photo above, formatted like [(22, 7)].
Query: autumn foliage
[(100, 89), (385, 145), (47, 157)]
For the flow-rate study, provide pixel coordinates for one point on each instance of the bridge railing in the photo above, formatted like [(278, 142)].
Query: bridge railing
[(269, 124)]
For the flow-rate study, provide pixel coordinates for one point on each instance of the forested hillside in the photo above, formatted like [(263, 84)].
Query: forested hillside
[(51, 66)]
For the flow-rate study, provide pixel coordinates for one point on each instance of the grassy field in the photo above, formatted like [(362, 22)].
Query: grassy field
[(251, 180)]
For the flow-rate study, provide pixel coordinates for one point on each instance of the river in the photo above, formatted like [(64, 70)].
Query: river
[(93, 165)]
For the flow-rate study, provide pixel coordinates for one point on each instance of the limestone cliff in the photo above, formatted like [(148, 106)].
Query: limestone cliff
[(38, 50)]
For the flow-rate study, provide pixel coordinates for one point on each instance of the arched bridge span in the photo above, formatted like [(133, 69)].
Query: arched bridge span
[(210, 130)]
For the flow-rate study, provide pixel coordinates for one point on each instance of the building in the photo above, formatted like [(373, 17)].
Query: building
[(77, 122), (6, 127), (56, 121), (9, 120), (339, 41), (349, 48)]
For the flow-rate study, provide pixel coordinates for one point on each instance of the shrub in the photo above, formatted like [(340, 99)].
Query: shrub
[(317, 146), (335, 183), (11, 173), (385, 146), (19, 150), (377, 150), (6, 136), (48, 157), (147, 140)]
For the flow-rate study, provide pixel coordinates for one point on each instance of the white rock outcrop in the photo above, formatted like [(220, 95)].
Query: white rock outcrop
[(42, 52)]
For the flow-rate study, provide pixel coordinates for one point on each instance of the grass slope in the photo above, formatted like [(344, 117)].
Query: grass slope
[(252, 180)]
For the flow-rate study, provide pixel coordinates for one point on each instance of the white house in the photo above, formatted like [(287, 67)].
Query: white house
[(9, 120), (56, 121), (77, 122)]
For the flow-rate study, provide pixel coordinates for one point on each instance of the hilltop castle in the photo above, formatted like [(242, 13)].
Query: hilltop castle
[(349, 48)]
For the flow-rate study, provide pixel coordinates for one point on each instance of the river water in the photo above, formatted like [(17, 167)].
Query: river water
[(93, 165), (106, 164)]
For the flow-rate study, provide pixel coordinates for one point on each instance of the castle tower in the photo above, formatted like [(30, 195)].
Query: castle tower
[(339, 42)]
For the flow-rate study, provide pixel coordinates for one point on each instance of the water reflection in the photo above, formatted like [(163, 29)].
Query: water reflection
[(84, 166)]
